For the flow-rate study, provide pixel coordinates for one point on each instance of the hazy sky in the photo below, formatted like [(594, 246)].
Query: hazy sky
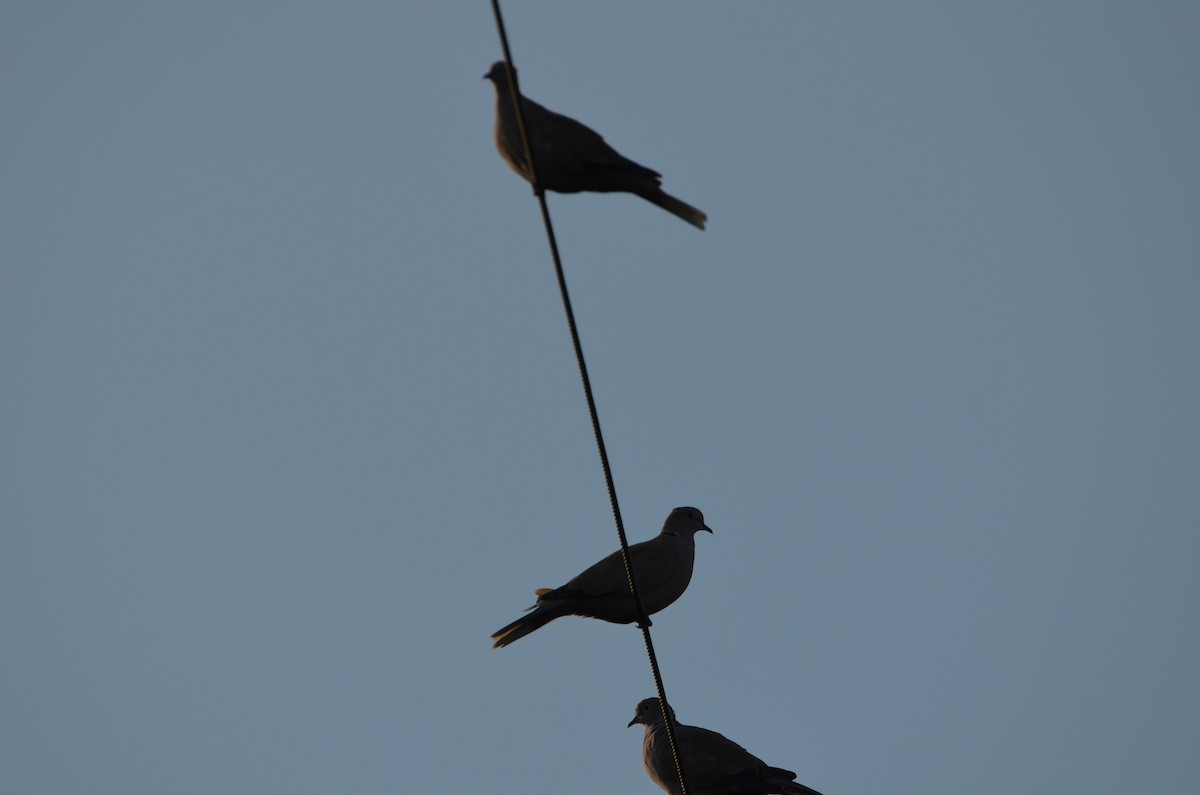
[(291, 421)]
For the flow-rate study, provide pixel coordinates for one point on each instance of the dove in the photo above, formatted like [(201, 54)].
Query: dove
[(662, 566), (571, 157), (712, 765)]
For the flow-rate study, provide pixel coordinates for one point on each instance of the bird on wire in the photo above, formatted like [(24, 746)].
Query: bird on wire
[(662, 567), (712, 764), (571, 157)]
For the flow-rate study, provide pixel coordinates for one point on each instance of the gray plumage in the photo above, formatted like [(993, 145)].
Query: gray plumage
[(662, 566), (571, 157), (712, 764)]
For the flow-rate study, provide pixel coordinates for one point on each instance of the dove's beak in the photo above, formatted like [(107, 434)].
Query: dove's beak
[(635, 720), (709, 529)]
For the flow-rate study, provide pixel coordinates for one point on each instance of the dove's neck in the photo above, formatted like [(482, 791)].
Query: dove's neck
[(504, 97), (677, 534)]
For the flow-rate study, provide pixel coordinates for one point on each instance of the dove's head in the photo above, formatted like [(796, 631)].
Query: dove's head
[(685, 520), (497, 74), (649, 713)]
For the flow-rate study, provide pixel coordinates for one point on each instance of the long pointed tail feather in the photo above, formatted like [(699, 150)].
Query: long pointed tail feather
[(540, 617), (674, 206), (796, 788)]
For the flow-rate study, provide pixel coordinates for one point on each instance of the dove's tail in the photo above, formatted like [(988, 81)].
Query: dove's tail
[(542, 615), (791, 787), (674, 206)]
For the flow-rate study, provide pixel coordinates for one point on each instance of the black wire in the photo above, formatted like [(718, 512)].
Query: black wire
[(643, 621)]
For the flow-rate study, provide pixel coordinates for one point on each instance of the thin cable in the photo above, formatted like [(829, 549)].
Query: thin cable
[(643, 619)]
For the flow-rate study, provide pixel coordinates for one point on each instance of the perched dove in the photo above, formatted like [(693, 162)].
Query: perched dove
[(662, 566), (571, 157), (712, 764)]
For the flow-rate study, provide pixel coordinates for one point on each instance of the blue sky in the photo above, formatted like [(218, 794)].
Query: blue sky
[(291, 421)]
